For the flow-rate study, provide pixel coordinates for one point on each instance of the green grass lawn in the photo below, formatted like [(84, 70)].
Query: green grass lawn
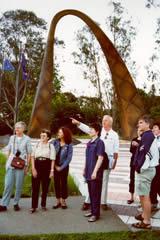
[(72, 188), (142, 235)]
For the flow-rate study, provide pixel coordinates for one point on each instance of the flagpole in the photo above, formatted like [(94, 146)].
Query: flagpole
[(17, 89), (1, 76)]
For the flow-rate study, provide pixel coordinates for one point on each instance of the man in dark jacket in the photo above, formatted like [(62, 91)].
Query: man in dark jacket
[(145, 161)]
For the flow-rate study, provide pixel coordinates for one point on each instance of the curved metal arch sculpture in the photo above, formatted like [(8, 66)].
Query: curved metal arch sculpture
[(130, 103)]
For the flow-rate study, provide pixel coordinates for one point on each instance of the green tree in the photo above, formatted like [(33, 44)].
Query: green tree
[(90, 57), (122, 36), (151, 103), (153, 70), (22, 31), (152, 3), (64, 106), (91, 109)]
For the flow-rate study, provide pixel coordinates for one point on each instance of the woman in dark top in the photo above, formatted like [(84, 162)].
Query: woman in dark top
[(93, 171), (64, 152), (133, 147)]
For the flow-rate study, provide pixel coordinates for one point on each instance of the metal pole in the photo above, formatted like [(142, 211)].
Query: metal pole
[(17, 89), (1, 77)]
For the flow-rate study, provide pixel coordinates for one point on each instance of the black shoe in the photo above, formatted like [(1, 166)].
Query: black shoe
[(85, 206), (64, 206), (16, 207), (130, 201), (58, 205), (3, 208), (104, 207)]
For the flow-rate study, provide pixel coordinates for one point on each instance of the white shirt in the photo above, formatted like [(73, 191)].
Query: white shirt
[(44, 150), (111, 141), (152, 157)]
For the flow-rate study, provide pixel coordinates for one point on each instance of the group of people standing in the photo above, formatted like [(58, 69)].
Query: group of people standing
[(144, 174), (51, 159), (48, 159)]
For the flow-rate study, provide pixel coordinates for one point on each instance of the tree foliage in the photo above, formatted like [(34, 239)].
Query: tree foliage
[(153, 67), (123, 34), (151, 103), (22, 31), (152, 3), (67, 105), (91, 59)]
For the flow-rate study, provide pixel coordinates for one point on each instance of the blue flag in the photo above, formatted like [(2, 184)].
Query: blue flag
[(23, 65), (7, 65)]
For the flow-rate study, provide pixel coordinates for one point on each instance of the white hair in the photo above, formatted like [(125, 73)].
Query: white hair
[(20, 124), (109, 118)]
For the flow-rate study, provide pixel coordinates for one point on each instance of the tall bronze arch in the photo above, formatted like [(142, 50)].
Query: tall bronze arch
[(130, 103)]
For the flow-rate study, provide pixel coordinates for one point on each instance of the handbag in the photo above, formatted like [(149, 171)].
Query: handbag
[(18, 163)]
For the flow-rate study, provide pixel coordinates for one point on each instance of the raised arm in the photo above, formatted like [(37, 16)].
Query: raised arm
[(83, 127)]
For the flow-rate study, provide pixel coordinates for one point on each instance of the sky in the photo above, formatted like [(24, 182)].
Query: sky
[(143, 19)]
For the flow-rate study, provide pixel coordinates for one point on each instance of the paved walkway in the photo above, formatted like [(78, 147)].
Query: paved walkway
[(118, 184), (119, 217), (70, 220)]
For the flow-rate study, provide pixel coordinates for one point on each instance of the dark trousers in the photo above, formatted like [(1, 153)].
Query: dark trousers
[(60, 183), (43, 171), (155, 186), (132, 179), (95, 189)]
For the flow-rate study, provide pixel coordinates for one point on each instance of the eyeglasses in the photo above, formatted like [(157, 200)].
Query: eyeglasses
[(106, 136)]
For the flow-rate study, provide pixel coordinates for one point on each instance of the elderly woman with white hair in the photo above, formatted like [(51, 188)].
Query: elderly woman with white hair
[(19, 145)]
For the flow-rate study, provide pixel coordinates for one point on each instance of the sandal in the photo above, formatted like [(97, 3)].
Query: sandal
[(139, 217), (142, 225), (58, 205), (63, 206)]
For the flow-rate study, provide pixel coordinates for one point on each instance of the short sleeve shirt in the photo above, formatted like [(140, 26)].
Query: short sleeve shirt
[(44, 150), (23, 144), (94, 149)]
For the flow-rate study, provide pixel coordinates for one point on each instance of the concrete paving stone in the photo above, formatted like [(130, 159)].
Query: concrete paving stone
[(70, 220), (117, 198)]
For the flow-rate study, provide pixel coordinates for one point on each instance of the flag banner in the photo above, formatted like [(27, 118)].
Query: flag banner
[(7, 65), (23, 65)]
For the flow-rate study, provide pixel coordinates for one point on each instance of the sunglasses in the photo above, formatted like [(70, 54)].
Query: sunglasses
[(106, 136)]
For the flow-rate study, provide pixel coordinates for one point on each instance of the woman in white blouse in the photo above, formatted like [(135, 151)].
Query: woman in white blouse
[(43, 159)]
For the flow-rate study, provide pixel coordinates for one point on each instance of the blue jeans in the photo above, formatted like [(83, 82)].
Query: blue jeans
[(12, 177)]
